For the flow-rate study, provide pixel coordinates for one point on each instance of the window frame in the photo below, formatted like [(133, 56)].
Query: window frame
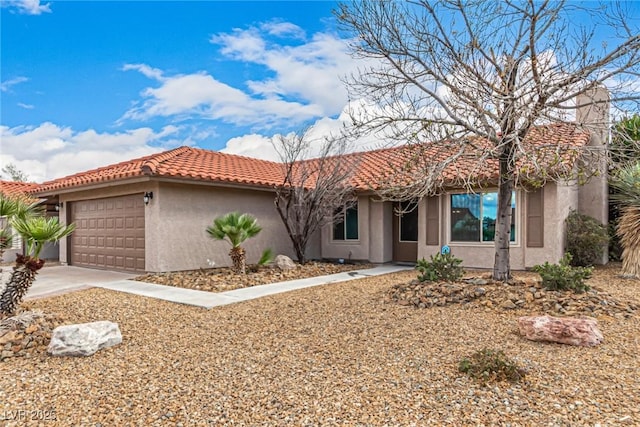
[(345, 209), (490, 243)]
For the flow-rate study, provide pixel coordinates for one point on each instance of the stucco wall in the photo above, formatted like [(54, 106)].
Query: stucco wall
[(178, 214), (559, 199), (350, 249), (380, 231), (181, 213)]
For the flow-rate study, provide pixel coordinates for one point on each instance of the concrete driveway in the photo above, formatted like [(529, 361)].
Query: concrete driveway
[(60, 279)]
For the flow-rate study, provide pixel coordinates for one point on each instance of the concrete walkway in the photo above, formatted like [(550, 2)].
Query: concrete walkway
[(51, 281), (60, 279), (211, 299)]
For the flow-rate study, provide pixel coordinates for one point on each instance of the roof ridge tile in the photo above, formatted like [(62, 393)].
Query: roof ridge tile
[(150, 166)]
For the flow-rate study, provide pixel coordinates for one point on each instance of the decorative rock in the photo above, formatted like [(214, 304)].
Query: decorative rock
[(508, 305), (285, 263), (506, 297), (84, 339), (476, 281), (26, 333), (564, 330)]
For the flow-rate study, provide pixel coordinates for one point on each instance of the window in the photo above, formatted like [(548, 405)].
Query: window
[(473, 217), (347, 227)]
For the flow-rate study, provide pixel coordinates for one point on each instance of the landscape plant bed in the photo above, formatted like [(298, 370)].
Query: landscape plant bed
[(524, 292), (224, 279), (328, 355)]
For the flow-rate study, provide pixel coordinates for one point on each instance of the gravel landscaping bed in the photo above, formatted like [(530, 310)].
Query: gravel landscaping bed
[(330, 355), (224, 279)]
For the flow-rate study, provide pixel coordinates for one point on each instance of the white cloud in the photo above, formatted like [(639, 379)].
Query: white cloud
[(27, 7), (261, 147), (252, 145), (25, 106), (202, 96), (303, 82), (6, 85), (152, 73), (310, 71), (283, 29), (62, 151)]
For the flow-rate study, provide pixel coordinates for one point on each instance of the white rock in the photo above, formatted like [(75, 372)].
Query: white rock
[(285, 263), (84, 339)]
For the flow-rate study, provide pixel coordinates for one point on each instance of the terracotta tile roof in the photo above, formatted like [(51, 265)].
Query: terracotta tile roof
[(182, 162), (13, 188), (553, 148), (372, 169)]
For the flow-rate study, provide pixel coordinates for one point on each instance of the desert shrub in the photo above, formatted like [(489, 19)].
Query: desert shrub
[(586, 239), (440, 267), (562, 276), (491, 365)]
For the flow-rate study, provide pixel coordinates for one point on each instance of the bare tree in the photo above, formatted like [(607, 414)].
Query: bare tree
[(14, 173), (480, 76), (313, 191)]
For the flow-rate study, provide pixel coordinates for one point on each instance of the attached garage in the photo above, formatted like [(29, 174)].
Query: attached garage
[(109, 233)]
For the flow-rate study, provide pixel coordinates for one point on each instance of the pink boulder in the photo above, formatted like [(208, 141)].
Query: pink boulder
[(564, 330)]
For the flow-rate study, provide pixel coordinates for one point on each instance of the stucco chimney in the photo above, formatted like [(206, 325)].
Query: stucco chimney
[(593, 114)]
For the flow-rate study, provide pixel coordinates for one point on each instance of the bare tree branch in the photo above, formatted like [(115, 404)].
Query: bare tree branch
[(468, 82), (312, 190)]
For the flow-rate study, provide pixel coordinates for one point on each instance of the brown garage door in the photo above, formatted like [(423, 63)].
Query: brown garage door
[(109, 233)]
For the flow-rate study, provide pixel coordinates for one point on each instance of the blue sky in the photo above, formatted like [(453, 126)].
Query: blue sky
[(85, 84)]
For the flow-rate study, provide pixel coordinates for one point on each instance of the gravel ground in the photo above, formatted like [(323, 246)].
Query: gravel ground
[(224, 279), (331, 355)]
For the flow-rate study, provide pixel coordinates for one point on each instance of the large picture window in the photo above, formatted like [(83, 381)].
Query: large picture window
[(347, 227), (473, 217)]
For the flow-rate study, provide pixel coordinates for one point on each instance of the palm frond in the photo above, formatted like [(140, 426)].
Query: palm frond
[(234, 227), (627, 183), (38, 230), (629, 232), (6, 239)]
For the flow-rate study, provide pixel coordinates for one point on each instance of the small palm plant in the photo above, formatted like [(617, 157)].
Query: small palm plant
[(627, 182), (35, 230), (235, 228), (13, 207)]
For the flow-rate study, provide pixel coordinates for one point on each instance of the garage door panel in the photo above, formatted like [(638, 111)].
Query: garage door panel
[(109, 233)]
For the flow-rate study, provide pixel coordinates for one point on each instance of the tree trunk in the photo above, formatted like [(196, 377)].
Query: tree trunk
[(629, 232), (22, 277), (502, 265), (238, 259), (300, 250)]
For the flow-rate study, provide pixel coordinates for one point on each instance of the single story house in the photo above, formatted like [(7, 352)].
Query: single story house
[(150, 213)]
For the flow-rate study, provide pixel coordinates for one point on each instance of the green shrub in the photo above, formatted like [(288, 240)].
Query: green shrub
[(491, 365), (441, 267), (266, 257), (586, 239), (562, 276)]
